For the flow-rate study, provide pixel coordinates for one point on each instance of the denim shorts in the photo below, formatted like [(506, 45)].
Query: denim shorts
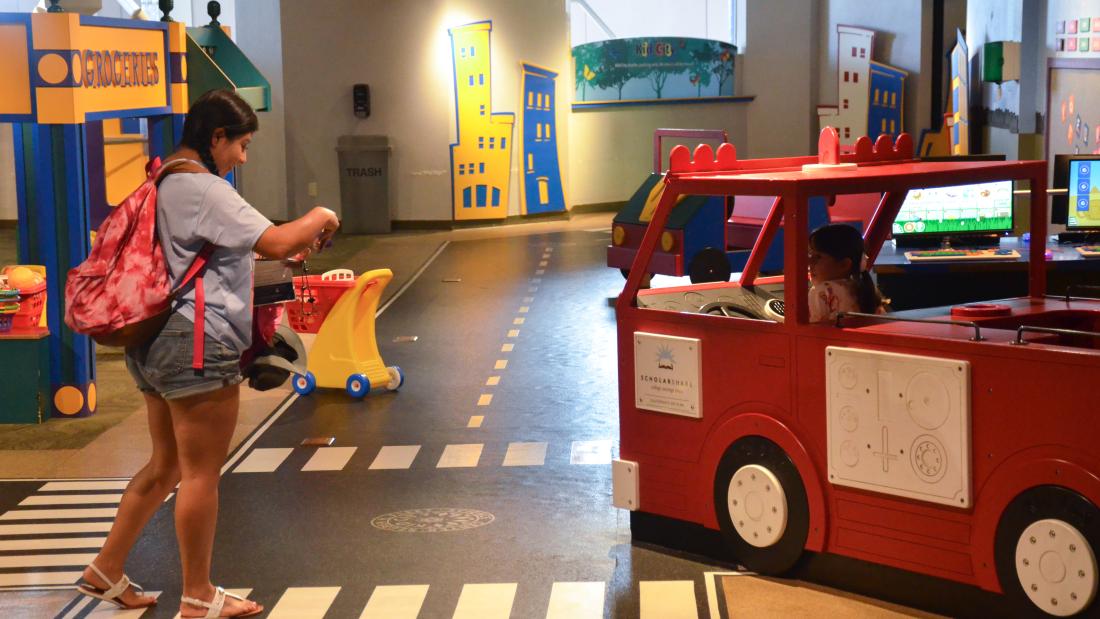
[(163, 364)]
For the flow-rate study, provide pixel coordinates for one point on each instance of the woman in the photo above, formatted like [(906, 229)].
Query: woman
[(192, 418)]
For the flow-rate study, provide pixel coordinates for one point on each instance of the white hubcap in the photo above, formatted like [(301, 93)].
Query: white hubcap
[(1056, 567), (757, 505)]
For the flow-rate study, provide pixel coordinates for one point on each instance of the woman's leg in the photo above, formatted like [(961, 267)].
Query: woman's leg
[(144, 494), (203, 427)]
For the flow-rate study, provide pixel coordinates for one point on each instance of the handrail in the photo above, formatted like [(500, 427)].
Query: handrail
[(958, 323), (1019, 341), (1070, 288)]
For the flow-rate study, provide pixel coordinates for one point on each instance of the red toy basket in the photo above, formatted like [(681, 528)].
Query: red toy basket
[(314, 297), (31, 304)]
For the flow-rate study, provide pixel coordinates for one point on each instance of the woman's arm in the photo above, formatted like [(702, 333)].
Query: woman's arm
[(311, 230)]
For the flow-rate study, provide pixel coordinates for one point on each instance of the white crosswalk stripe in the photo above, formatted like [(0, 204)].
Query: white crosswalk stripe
[(59, 560), (59, 514), (590, 452), (395, 602), (576, 600), (69, 486), (71, 499), (460, 456), (668, 599), (55, 543), (395, 457), (486, 601), (304, 603), (330, 459), (263, 460), (525, 454)]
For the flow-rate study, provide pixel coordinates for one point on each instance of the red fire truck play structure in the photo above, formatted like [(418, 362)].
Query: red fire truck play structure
[(956, 442)]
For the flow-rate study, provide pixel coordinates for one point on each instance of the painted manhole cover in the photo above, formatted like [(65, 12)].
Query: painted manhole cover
[(432, 520)]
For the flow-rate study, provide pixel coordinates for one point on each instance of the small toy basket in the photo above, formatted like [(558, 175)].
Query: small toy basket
[(314, 296), (31, 305)]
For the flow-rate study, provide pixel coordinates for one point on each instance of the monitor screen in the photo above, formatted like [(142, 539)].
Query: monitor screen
[(1084, 194), (981, 208)]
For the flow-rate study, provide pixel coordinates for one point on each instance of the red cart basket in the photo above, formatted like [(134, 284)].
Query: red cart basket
[(314, 296)]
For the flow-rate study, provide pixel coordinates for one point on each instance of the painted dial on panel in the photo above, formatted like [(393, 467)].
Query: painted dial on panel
[(927, 400), (929, 458)]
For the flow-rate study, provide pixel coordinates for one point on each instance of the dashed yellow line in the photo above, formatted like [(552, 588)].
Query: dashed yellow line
[(519, 321), (501, 364), (475, 421), (508, 348), (513, 333), (493, 381), (485, 400), (523, 309)]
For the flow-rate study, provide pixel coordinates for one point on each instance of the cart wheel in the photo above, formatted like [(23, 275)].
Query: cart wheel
[(358, 385), (304, 385), (761, 506), (397, 378), (1045, 551)]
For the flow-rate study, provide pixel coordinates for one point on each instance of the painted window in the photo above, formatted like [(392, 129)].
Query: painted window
[(461, 169), (481, 195), (847, 133), (471, 79), (466, 198), (892, 127), (503, 143), (547, 131), (481, 142), (883, 126), (481, 79), (853, 52), (492, 142), (855, 77), (481, 108), (472, 48), (846, 74), (544, 190), (548, 100), (876, 96), (845, 104), (481, 167), (862, 52), (462, 52), (538, 131), (530, 162), (538, 100), (530, 99), (893, 99), (496, 196)]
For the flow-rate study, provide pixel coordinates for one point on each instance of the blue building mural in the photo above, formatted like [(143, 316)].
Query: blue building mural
[(887, 97), (542, 191)]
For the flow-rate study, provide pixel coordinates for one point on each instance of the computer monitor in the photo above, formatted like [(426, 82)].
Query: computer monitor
[(975, 214), (1079, 207)]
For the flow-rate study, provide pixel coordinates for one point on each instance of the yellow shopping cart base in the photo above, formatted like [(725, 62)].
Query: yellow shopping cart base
[(345, 353)]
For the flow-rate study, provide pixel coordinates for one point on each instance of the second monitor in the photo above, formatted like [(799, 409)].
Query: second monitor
[(975, 214)]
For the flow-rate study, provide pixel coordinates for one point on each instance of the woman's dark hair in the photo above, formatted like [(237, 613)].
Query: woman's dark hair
[(840, 241), (217, 109)]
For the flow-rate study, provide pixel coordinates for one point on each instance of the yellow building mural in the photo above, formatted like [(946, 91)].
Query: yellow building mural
[(481, 160)]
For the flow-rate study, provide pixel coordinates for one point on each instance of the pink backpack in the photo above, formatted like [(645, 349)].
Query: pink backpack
[(121, 294)]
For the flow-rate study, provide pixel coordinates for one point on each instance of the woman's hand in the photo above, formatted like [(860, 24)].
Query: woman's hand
[(331, 224)]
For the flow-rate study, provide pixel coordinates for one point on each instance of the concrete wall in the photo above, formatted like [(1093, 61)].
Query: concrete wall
[(263, 180), (402, 50), (903, 36)]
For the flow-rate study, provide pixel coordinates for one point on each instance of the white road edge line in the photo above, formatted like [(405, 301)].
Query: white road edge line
[(412, 279), (243, 448)]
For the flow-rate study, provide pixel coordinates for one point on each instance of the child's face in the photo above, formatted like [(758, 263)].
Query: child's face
[(229, 153), (824, 267)]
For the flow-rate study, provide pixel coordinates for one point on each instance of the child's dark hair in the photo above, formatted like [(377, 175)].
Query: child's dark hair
[(217, 109), (841, 241)]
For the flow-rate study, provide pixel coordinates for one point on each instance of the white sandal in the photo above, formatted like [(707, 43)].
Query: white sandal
[(214, 607), (113, 593)]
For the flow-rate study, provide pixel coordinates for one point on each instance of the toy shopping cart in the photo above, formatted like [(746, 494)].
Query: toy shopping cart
[(345, 353)]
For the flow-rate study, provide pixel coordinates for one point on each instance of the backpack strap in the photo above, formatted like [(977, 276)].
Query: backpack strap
[(195, 272)]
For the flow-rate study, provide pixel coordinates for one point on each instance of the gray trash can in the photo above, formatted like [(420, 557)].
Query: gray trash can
[(364, 183)]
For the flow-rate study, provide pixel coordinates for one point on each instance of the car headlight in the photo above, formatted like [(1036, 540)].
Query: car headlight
[(618, 235), (668, 241)]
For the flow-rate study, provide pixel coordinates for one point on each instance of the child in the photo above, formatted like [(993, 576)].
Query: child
[(839, 281)]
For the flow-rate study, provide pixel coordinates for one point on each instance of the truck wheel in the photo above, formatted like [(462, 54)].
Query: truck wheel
[(1045, 551), (709, 265), (304, 384), (761, 506)]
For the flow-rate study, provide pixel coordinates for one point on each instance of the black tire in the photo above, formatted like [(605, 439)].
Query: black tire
[(709, 265), (780, 556), (1041, 503)]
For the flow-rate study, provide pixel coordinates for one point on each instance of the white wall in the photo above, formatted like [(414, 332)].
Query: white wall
[(903, 37), (704, 19), (263, 180), (402, 50)]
